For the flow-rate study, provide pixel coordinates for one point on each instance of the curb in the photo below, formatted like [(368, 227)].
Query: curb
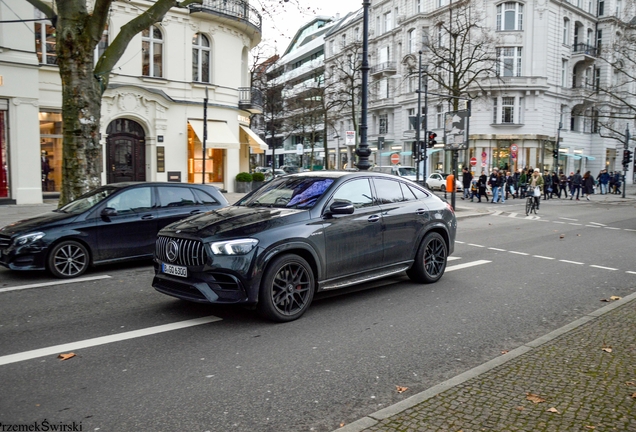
[(374, 418)]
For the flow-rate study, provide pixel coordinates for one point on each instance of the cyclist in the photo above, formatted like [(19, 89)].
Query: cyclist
[(535, 180)]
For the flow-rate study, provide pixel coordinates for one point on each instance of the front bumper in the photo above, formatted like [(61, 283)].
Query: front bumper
[(25, 258)]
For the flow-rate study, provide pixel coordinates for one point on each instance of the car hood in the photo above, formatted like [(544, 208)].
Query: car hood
[(37, 223), (230, 220)]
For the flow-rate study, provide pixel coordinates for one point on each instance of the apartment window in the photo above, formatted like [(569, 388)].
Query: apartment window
[(383, 88), (590, 38), (564, 72), (601, 8), (494, 110), (439, 116), (343, 41), (507, 110), (384, 55), (619, 7), (599, 41), (510, 16), (356, 33), (152, 49), (45, 43), (566, 31), (418, 6), (410, 41), (383, 124), (101, 46), (440, 36), (597, 78), (388, 22), (332, 48), (200, 58), (509, 61)]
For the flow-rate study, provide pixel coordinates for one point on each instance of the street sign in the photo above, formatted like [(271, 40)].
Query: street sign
[(456, 130), (299, 149), (350, 138), (395, 158), (473, 161)]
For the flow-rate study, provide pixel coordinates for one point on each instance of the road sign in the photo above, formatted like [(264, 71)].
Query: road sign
[(395, 158), (473, 161)]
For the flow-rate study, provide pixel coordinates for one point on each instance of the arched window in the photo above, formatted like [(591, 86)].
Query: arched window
[(200, 58), (510, 16), (152, 50)]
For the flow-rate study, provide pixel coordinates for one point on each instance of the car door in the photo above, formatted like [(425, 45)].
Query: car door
[(353, 242), (175, 203), (402, 218), (132, 230)]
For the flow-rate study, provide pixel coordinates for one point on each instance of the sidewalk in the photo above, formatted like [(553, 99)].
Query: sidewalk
[(581, 377)]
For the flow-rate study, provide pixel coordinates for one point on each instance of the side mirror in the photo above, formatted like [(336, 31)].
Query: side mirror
[(109, 212), (341, 207)]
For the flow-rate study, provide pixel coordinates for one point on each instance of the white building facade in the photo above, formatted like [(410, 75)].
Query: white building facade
[(540, 88), (153, 110)]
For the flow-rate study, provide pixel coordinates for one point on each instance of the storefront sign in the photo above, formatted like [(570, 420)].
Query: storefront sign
[(350, 138), (174, 176), (161, 159)]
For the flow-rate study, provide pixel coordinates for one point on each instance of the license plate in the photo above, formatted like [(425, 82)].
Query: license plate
[(174, 270)]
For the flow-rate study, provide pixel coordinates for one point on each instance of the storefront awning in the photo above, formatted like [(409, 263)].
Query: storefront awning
[(255, 142), (435, 150), (219, 134), (587, 156)]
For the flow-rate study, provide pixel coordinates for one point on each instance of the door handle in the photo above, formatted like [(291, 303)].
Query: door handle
[(420, 211), (373, 218), (193, 212), (147, 217)]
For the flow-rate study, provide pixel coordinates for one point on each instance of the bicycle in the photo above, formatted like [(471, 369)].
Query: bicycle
[(531, 204)]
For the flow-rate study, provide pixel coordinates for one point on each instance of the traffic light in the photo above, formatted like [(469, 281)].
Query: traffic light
[(431, 138), (627, 157), (555, 153)]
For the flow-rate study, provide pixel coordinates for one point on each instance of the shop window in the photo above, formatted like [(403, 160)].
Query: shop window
[(4, 151), (51, 150), (213, 161)]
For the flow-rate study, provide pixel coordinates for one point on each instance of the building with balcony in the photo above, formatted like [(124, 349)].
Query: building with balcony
[(152, 122), (535, 81)]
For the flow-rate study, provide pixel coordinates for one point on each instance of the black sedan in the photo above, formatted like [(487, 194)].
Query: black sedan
[(303, 233), (111, 223)]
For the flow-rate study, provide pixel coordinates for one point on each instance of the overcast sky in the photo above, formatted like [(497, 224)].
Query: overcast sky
[(282, 25)]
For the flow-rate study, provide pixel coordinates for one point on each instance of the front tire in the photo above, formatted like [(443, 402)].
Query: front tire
[(430, 259), (287, 289), (68, 259)]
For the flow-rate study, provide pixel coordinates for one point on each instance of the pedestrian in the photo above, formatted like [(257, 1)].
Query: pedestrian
[(510, 185), (523, 180), (569, 181), (492, 182), (617, 183), (482, 185), (547, 185), (588, 185), (563, 185), (577, 181), (603, 179), (467, 178), (555, 184), (515, 178), (501, 187), (535, 184), (474, 190)]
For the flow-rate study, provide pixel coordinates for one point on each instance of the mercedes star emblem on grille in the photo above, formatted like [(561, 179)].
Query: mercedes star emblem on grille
[(172, 251)]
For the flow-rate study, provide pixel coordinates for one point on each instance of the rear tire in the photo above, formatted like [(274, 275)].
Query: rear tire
[(430, 259), (68, 259), (287, 289), (442, 188)]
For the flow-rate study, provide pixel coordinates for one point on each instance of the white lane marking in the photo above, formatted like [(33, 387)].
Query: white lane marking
[(596, 223), (592, 226), (512, 215), (572, 262), (628, 229), (59, 282), (476, 245), (630, 272), (577, 224), (518, 253), (460, 242), (453, 258), (73, 346), (497, 249), (543, 257), (612, 228), (559, 222), (604, 268), (465, 265), (570, 219)]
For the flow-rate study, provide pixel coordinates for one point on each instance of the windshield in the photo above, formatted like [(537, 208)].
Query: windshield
[(88, 200), (289, 192), (406, 171)]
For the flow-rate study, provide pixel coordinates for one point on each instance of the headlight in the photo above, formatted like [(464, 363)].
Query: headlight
[(233, 247), (28, 238)]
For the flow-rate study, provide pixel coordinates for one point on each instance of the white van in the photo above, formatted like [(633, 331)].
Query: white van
[(408, 172)]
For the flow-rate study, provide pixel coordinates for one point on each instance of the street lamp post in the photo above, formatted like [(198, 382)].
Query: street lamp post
[(363, 151), (556, 149), (625, 167)]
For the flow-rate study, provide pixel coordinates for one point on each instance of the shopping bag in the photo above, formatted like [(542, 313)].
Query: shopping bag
[(537, 191)]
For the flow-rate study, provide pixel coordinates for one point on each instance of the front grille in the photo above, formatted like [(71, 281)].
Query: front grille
[(190, 252), (5, 241)]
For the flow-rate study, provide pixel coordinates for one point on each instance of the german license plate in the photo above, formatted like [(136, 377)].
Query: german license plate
[(174, 270)]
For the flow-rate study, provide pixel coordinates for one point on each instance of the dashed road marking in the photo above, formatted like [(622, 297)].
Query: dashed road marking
[(572, 262), (628, 229), (453, 258), (475, 245), (497, 249), (631, 272), (570, 219), (573, 223), (602, 267), (543, 257), (519, 253), (559, 222), (592, 226), (596, 223), (612, 228), (58, 282)]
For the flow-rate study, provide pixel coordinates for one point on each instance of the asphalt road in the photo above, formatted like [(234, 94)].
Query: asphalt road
[(511, 280)]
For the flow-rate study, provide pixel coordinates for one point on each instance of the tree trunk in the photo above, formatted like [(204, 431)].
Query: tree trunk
[(81, 110)]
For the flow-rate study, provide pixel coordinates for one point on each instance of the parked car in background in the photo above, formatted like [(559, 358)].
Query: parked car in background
[(438, 181), (304, 233), (112, 223), (277, 173), (407, 172)]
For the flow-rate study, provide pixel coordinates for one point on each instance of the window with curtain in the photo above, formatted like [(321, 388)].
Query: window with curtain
[(509, 63), (152, 50), (200, 58), (510, 16)]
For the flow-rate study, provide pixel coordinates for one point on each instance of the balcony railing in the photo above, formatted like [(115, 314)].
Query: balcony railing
[(581, 48), (386, 67), (251, 99), (231, 8)]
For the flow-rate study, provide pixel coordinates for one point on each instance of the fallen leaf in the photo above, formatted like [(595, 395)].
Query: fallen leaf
[(520, 408), (534, 398), (342, 424), (607, 349), (615, 298), (505, 352), (562, 236), (590, 427), (401, 389), (66, 356), (630, 383), (578, 235), (634, 396), (554, 410)]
